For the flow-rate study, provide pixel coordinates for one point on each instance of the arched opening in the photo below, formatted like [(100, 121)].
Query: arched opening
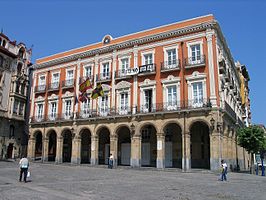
[(173, 145), (200, 145), (104, 146), (19, 68), (67, 146), (52, 146), (124, 146), (21, 52), (85, 146), (148, 146), (38, 146)]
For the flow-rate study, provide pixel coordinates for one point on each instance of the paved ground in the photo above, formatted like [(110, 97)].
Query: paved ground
[(49, 181)]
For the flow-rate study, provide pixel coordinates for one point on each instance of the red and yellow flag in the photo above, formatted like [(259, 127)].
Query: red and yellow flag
[(85, 85)]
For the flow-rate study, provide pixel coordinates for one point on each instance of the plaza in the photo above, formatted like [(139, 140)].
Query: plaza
[(67, 181)]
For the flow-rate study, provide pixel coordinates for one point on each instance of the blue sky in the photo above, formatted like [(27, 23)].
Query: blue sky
[(53, 26)]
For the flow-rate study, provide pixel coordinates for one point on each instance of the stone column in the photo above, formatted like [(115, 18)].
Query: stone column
[(135, 160), (209, 34), (77, 89), (113, 148), (215, 147), (112, 104), (186, 157), (45, 149), (76, 145), (135, 83), (94, 150), (160, 151), (31, 148), (59, 150), (33, 95)]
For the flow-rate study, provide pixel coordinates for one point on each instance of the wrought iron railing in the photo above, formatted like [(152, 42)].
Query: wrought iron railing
[(170, 65), (103, 77), (195, 61), (68, 83), (40, 88), (121, 74), (53, 86), (229, 110)]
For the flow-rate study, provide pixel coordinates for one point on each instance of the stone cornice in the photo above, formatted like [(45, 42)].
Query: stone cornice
[(127, 44)]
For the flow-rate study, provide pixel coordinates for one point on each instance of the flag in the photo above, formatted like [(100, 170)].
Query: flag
[(98, 91), (83, 97), (85, 85)]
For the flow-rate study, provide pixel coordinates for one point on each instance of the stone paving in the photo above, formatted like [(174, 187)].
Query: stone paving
[(50, 181)]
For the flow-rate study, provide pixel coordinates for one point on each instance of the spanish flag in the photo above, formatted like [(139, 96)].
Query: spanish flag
[(85, 85), (98, 91)]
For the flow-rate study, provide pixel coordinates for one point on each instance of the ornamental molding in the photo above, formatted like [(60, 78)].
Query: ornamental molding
[(170, 79), (39, 99), (196, 76), (147, 83), (68, 95), (123, 85), (106, 88), (131, 43), (53, 97)]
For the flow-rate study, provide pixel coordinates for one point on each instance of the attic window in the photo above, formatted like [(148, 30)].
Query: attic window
[(107, 39)]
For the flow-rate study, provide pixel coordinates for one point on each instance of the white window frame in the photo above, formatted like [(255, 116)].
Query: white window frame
[(39, 116), (166, 61), (55, 84), (146, 53), (86, 110), (126, 109), (169, 82), (147, 85), (106, 110), (189, 45), (69, 81), (102, 67), (194, 78), (50, 110), (16, 105), (41, 85), (67, 115), (120, 61), (87, 66)]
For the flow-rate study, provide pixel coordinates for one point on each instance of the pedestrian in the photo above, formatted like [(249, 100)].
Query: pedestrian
[(24, 165), (111, 161), (224, 170)]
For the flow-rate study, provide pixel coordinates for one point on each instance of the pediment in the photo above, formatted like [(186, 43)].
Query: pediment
[(123, 85)]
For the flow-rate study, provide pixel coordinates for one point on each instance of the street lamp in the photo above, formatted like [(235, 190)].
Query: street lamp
[(212, 124), (132, 128)]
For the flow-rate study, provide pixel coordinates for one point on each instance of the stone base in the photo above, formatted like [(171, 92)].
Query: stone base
[(135, 162), (94, 161), (160, 163), (215, 164)]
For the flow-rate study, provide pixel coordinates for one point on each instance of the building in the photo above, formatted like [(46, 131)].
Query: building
[(14, 82), (171, 99)]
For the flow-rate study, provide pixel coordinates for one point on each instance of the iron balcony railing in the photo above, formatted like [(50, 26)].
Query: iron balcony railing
[(166, 107), (170, 65), (40, 88), (229, 110), (147, 69), (103, 77), (53, 86), (68, 83), (195, 61), (119, 74)]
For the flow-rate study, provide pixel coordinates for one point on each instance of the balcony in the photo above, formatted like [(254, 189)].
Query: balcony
[(103, 77), (68, 83), (40, 89), (52, 117), (53, 86), (147, 69), (229, 110), (193, 62), (121, 74), (67, 116), (170, 65), (37, 119)]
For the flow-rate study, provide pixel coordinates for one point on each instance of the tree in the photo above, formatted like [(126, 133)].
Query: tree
[(253, 139)]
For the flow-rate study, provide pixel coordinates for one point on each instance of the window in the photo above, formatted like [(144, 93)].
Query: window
[(70, 78), (17, 86), (21, 108), (53, 110), (41, 85), (124, 64), (87, 72), (171, 96), (104, 105), (55, 80), (195, 53), (105, 70), (15, 108), (197, 94), (147, 101), (68, 109), (171, 57), (85, 108), (123, 103), (148, 59), (39, 115)]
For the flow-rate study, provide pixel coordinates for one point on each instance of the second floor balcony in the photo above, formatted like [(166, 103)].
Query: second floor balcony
[(40, 88), (103, 77), (53, 86), (68, 83), (122, 74), (170, 65), (195, 61), (147, 69)]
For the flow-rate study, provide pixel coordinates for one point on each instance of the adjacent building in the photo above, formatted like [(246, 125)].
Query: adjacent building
[(14, 82), (172, 98)]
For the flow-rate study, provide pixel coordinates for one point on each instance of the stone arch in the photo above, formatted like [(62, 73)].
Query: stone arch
[(171, 122), (103, 133), (148, 133), (49, 131), (118, 127), (52, 136), (123, 134), (98, 129), (82, 129), (173, 144), (198, 120), (200, 144), (38, 135), (36, 132), (140, 127), (67, 135), (85, 151)]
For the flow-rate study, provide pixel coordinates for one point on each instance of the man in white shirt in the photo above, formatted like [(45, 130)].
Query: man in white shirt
[(24, 165), (224, 170)]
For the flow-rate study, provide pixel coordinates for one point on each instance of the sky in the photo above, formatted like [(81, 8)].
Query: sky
[(53, 26)]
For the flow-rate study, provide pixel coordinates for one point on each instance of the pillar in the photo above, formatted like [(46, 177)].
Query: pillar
[(45, 149), (31, 148), (186, 157), (113, 148), (215, 154), (94, 150), (76, 147), (59, 150), (160, 162), (135, 160)]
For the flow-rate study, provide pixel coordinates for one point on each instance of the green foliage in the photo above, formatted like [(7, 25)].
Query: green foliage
[(252, 138)]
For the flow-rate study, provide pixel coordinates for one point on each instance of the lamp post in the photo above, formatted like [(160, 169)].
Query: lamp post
[(132, 128)]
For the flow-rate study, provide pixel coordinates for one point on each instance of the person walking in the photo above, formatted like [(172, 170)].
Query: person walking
[(24, 165), (111, 161), (224, 170)]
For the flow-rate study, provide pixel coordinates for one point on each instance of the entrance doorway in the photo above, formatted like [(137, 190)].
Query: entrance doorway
[(10, 150), (124, 146), (52, 146), (85, 146), (38, 146), (104, 146), (67, 146)]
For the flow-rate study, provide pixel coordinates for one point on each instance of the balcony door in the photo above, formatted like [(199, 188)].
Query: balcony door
[(197, 94), (104, 106), (123, 103), (147, 100), (106, 71)]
